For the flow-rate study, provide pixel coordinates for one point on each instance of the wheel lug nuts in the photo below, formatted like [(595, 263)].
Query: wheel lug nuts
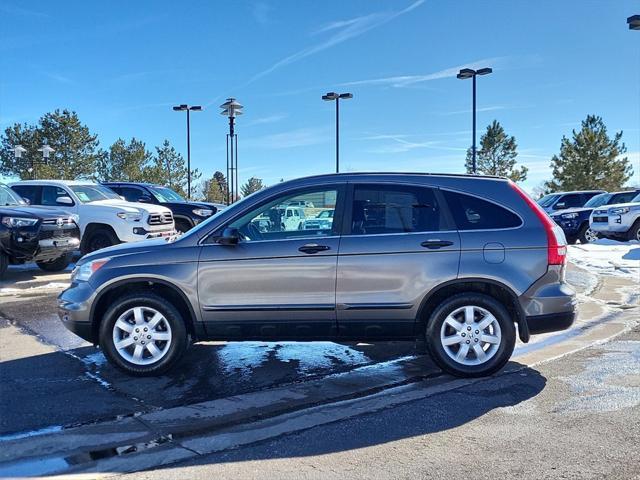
[(137, 329), (142, 342), (135, 338), (475, 340), (468, 328), (477, 332), (148, 336), (468, 342), (464, 334), (145, 329)]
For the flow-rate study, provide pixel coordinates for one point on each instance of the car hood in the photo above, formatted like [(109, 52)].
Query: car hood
[(126, 249), (131, 206), (618, 205), (571, 210), (33, 211), (189, 204)]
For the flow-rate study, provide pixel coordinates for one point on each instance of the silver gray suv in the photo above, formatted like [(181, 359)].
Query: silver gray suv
[(457, 260)]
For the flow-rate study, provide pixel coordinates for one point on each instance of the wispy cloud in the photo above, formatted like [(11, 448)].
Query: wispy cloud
[(266, 120), (490, 108), (260, 12), (400, 144), (340, 31), (301, 137), (15, 10), (400, 81), (59, 78)]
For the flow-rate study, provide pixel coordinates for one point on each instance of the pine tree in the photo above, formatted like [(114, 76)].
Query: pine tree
[(253, 185), (169, 169), (76, 150), (590, 160), (497, 155), (215, 189)]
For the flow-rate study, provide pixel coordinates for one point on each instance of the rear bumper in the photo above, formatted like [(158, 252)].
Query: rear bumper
[(552, 322)]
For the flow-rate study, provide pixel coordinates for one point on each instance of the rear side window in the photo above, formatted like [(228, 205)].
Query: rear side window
[(379, 209), (30, 192), (473, 213)]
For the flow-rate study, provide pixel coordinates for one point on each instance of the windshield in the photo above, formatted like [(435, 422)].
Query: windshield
[(636, 199), (9, 197), (547, 200), (598, 200), (93, 193), (164, 194)]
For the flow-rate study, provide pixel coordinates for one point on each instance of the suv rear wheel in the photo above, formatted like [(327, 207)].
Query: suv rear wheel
[(56, 265), (471, 335), (586, 235), (143, 334)]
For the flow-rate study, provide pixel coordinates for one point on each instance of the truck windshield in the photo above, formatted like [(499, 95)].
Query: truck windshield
[(93, 193), (598, 200), (9, 197), (164, 194)]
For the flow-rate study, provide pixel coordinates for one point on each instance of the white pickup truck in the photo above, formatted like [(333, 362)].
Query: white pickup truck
[(105, 219), (618, 222)]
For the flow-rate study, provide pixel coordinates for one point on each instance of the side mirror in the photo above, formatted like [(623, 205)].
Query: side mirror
[(26, 201), (230, 236), (64, 200), (560, 206)]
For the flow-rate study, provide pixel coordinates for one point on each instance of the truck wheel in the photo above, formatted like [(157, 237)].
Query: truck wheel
[(143, 334), (99, 238), (56, 265), (586, 235), (471, 335), (4, 264), (634, 231)]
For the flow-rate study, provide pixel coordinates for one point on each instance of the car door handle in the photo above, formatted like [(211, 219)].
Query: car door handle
[(433, 244), (313, 248)]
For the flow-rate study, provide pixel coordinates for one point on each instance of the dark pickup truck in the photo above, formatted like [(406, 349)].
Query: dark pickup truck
[(35, 234), (187, 214)]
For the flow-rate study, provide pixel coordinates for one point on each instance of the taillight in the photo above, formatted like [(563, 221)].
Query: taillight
[(556, 241)]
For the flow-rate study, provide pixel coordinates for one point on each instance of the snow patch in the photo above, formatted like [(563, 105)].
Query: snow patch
[(48, 286), (608, 257)]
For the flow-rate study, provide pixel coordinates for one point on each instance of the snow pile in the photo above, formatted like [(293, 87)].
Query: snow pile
[(48, 286), (608, 257)]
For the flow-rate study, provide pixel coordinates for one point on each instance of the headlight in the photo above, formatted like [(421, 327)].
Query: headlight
[(203, 212), (84, 271), (130, 216), (567, 216), (620, 211), (14, 222)]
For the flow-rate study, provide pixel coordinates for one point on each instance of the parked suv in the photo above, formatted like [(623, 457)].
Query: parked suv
[(620, 221), (575, 221), (104, 218), (187, 214), (34, 234), (563, 200), (458, 260)]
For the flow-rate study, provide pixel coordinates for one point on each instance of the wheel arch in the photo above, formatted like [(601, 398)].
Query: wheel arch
[(492, 288), (92, 227), (161, 287)]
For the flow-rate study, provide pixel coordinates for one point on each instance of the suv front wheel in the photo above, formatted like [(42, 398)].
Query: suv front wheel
[(143, 334), (471, 335)]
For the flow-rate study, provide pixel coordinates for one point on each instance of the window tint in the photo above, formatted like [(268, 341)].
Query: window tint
[(622, 197), (379, 209), (572, 200), (50, 195), (284, 217), (30, 192), (473, 213), (131, 194)]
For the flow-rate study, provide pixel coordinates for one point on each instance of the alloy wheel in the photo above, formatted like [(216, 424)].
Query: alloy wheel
[(470, 335), (142, 335), (590, 235)]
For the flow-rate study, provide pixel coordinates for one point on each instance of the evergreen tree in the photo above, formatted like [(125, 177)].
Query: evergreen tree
[(169, 169), (497, 155), (215, 189), (591, 159), (76, 154), (253, 185), (125, 162)]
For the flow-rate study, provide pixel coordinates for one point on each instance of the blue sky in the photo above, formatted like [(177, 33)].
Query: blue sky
[(122, 65)]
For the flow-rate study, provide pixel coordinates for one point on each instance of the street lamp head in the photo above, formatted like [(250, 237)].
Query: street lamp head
[(182, 107), (466, 73), (484, 71), (346, 95), (231, 108), (634, 22), (18, 150), (46, 151), (330, 96), (196, 108)]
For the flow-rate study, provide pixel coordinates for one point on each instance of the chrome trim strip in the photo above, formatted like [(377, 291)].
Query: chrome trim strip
[(375, 306), (268, 307)]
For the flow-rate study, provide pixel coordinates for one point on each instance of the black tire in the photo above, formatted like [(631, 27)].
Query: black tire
[(634, 231), (582, 234), (4, 264), (182, 226), (176, 349), (56, 265), (572, 240), (99, 238), (503, 351)]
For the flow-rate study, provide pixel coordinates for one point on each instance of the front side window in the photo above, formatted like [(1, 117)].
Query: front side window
[(132, 194), (473, 213), (385, 209), (279, 219), (30, 192), (93, 193), (622, 197), (598, 200), (570, 201), (50, 195)]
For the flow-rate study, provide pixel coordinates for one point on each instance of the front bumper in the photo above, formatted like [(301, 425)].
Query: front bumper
[(614, 224), (145, 232), (570, 227), (74, 310)]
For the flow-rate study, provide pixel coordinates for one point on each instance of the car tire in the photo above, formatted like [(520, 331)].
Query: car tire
[(572, 240), (121, 342), (182, 226), (99, 238), (586, 235), (56, 265), (4, 264), (634, 231), (447, 343)]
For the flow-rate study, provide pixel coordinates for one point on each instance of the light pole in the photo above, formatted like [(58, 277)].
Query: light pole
[(634, 22), (188, 108), (463, 75), (232, 109), (337, 97)]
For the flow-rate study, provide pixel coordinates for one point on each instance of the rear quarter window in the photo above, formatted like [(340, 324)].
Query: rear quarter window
[(473, 213)]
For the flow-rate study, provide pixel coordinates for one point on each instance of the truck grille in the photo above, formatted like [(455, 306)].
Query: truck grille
[(600, 219), (58, 228), (160, 218)]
